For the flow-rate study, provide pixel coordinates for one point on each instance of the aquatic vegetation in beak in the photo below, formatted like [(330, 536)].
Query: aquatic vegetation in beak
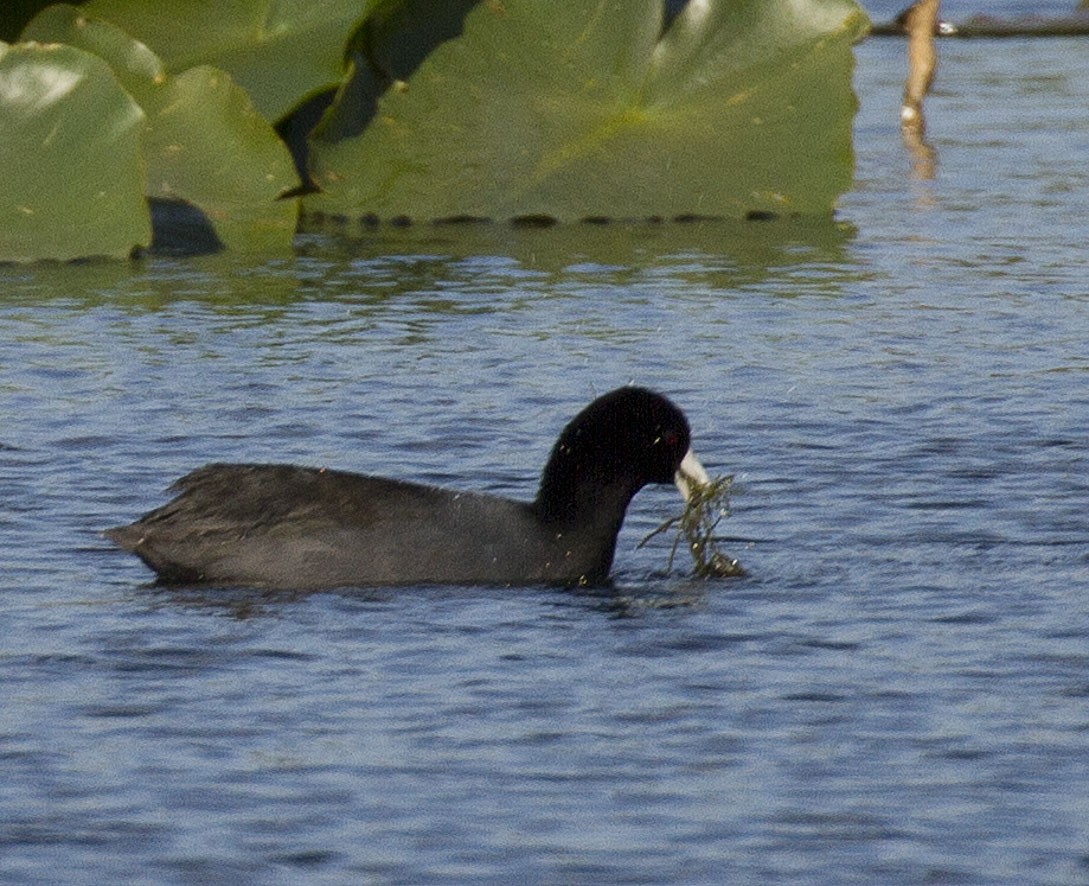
[(707, 503)]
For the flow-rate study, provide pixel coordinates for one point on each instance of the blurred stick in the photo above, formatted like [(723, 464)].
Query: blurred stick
[(920, 21)]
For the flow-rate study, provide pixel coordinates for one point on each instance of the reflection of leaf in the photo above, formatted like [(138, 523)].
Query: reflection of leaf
[(71, 177), (280, 52), (574, 108), (204, 143)]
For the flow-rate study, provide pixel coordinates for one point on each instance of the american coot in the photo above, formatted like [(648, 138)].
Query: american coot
[(294, 527)]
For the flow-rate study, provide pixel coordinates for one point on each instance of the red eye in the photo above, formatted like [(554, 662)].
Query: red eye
[(669, 438)]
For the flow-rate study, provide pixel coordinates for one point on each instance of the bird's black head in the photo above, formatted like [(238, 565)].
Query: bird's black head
[(615, 446)]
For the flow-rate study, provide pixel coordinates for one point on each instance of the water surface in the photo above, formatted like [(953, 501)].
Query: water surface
[(898, 692)]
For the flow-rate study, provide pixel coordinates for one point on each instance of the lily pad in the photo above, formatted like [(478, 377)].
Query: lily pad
[(204, 143), (572, 109), (71, 172), (280, 51)]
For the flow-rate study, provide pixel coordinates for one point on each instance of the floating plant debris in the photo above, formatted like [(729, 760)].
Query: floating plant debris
[(707, 505)]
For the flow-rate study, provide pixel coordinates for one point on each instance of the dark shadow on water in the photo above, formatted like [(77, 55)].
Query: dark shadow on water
[(627, 600), (755, 248), (624, 598), (182, 229), (450, 268), (233, 602)]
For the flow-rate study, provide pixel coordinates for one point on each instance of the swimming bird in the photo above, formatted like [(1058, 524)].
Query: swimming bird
[(283, 526)]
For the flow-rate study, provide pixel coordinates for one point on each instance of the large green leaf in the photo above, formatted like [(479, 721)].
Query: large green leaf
[(204, 143), (207, 145), (71, 174), (280, 51), (575, 108)]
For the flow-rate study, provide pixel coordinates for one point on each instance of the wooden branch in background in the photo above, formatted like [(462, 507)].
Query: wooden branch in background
[(1076, 24)]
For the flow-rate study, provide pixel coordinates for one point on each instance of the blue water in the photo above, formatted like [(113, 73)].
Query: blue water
[(897, 693)]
